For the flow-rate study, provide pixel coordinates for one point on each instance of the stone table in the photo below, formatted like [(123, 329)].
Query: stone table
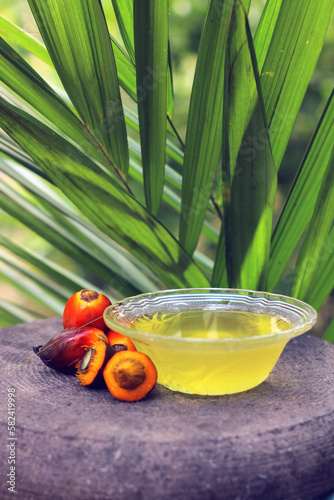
[(273, 442)]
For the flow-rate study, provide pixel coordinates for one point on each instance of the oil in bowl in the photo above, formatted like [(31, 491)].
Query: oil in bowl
[(205, 368), (211, 341), (210, 324)]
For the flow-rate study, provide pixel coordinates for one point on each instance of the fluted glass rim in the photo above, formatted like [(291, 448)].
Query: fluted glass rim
[(307, 313)]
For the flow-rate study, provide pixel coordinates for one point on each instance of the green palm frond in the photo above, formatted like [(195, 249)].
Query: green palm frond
[(120, 195)]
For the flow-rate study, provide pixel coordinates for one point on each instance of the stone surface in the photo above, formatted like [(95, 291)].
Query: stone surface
[(273, 442)]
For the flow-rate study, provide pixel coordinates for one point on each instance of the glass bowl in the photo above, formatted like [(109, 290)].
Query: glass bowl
[(211, 341)]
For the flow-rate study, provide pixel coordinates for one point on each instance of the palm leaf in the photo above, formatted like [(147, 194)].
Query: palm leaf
[(24, 81), (13, 34), (57, 221), (45, 283), (265, 29), (248, 171), (314, 244), (108, 206), (300, 202), (204, 131), (16, 275), (124, 15), (10, 149), (289, 64), (12, 313), (79, 44), (69, 167), (323, 283), (125, 70), (57, 234), (151, 41), (68, 280)]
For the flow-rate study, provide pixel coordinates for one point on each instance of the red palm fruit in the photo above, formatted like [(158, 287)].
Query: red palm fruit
[(85, 307), (120, 342), (66, 349), (130, 375), (90, 371)]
